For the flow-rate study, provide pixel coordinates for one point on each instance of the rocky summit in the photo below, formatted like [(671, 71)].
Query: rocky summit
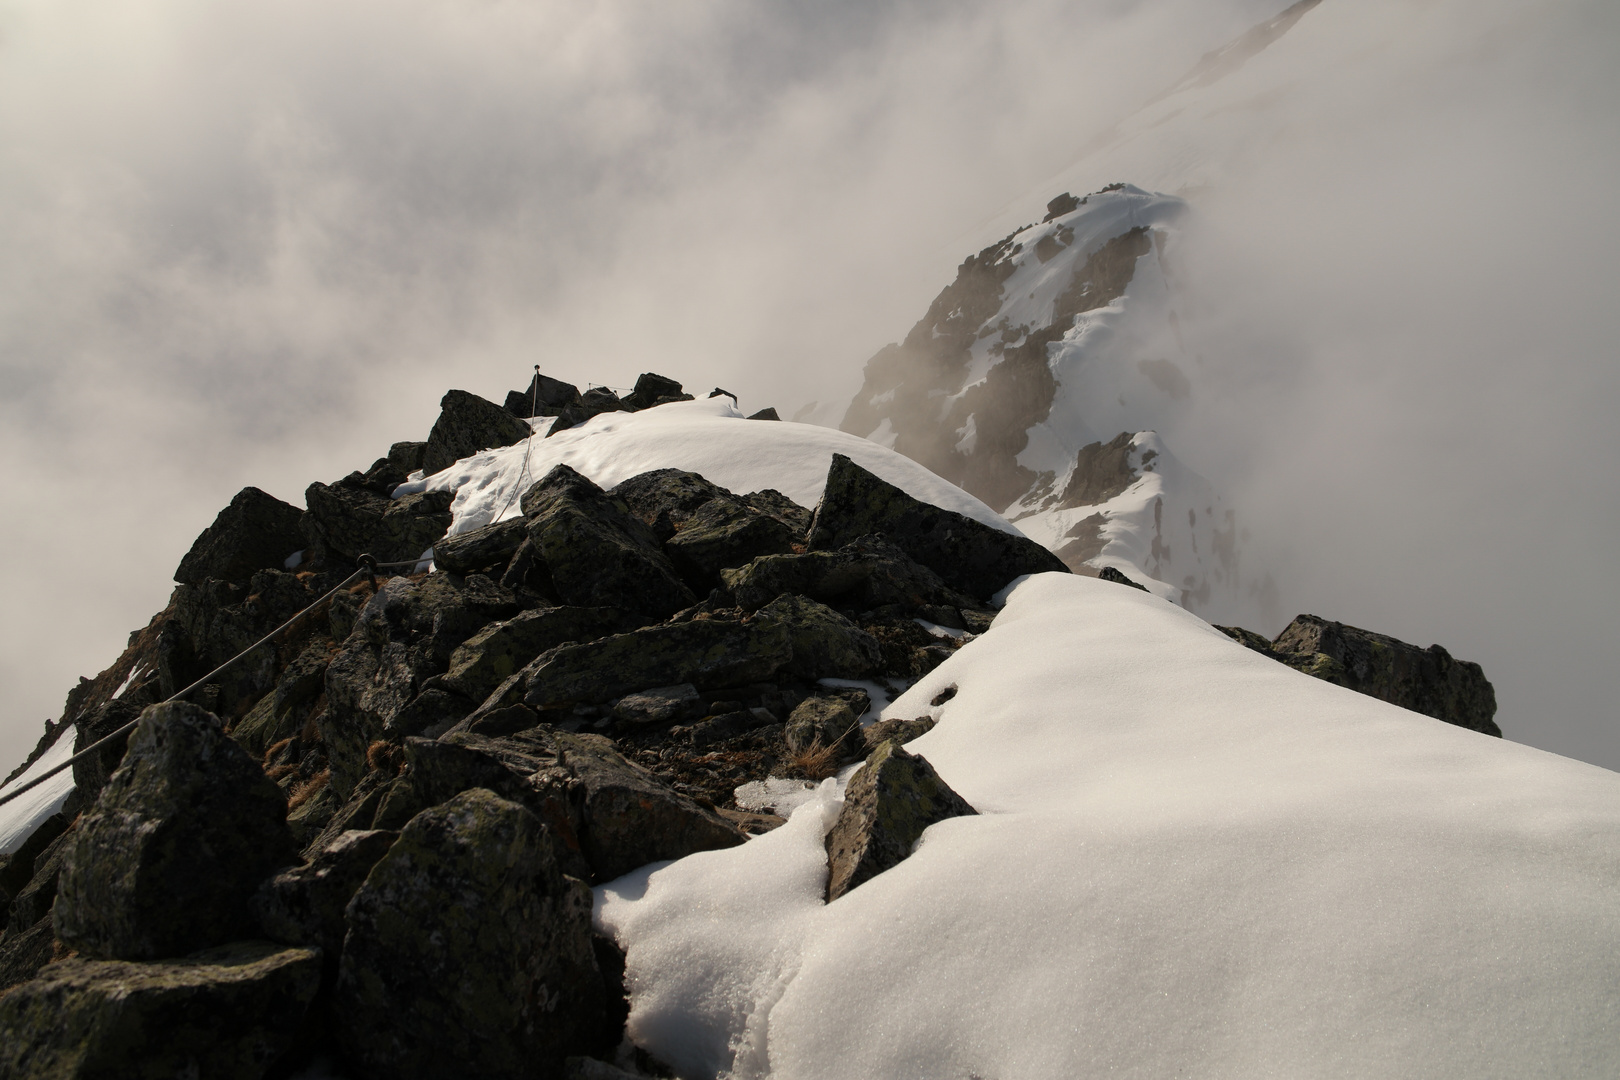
[(372, 840)]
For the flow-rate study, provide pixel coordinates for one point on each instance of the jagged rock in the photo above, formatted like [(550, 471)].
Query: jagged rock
[(544, 396), (825, 644), (480, 549), (23, 952), (33, 901), (725, 532), (723, 727), (407, 456), (282, 713), (405, 635), (17, 869), (660, 705), (432, 711), (665, 498), (468, 953), (887, 805), (968, 555), (255, 532), (653, 390), (901, 731), (351, 521), (492, 655), (1428, 681), (629, 817), (783, 509), (765, 414), (381, 479), (706, 652), (467, 424), (1108, 573), (304, 905), (227, 1013), (867, 573), (211, 622), (597, 553), (826, 720), (181, 836), (358, 813)]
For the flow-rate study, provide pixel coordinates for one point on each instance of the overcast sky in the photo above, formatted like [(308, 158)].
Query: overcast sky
[(253, 244)]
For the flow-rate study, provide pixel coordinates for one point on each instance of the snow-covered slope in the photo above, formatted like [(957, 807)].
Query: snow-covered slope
[(1188, 861), (708, 436), (1042, 379), (20, 817)]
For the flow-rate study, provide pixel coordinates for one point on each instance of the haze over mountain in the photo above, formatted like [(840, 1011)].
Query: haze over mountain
[(243, 244)]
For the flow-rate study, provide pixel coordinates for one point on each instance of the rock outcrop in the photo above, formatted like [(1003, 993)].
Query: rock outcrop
[(176, 844), (467, 424), (255, 532), (222, 1014), (1427, 681), (888, 804), (468, 952)]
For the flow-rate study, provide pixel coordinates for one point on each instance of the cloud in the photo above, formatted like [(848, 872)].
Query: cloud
[(248, 244)]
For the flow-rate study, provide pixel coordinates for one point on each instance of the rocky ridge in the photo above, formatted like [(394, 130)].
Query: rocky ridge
[(373, 838)]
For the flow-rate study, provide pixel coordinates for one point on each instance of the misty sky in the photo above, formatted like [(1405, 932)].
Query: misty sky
[(253, 244)]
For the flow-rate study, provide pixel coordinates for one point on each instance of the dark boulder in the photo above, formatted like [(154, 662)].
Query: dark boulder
[(765, 414), (17, 868), (629, 817), (407, 456), (468, 953), (723, 533), (223, 1014), (303, 905), (33, 901), (783, 509), (467, 424), (665, 498), (826, 721), (596, 552), (825, 644), (24, 950), (282, 713), (543, 397), (404, 637), (255, 532), (901, 731), (180, 838), (705, 652), (887, 805), (867, 573), (653, 390), (1428, 681), (480, 549), (968, 555), (348, 522), (659, 705), (499, 650), (1108, 573)]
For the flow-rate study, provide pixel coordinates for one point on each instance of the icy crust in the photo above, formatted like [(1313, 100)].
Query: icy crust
[(709, 437), (20, 817), (1188, 860), (1169, 531)]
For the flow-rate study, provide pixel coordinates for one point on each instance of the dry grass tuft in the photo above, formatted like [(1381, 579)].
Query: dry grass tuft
[(306, 791), (383, 754), (815, 762)]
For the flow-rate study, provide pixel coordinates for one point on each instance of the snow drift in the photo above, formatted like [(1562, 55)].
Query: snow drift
[(1189, 860)]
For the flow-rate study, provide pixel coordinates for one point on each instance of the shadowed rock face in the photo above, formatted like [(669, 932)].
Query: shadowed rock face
[(467, 424), (255, 532), (179, 839), (1427, 681), (968, 555), (468, 953), (888, 804), (224, 1013)]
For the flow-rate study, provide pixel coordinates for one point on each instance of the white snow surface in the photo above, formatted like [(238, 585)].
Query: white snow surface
[(708, 436), (19, 818), (1189, 860)]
